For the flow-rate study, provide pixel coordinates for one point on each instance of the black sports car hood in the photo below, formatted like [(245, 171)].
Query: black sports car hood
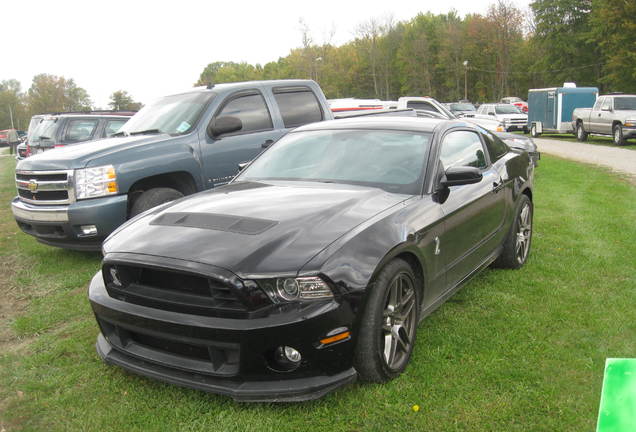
[(253, 228)]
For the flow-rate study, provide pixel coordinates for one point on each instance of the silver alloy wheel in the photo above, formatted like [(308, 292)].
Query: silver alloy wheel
[(617, 135), (579, 131), (399, 321), (524, 233)]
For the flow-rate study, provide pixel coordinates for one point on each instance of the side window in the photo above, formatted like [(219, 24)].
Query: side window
[(597, 105), (462, 148), (421, 105), (607, 103), (496, 147), (112, 126), (298, 106), (251, 109), (80, 130)]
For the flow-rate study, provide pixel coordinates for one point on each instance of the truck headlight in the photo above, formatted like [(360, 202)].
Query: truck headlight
[(289, 289), (630, 123), (95, 182)]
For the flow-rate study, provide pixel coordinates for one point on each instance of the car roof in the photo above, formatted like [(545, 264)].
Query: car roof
[(415, 124)]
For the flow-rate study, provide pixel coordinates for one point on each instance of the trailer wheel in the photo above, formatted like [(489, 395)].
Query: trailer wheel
[(581, 135), (533, 131)]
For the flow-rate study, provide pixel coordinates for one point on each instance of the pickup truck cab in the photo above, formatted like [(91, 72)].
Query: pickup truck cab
[(510, 115), (613, 115), (73, 197)]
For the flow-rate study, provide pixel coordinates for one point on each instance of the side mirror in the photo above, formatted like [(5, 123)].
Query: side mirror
[(242, 165), (463, 175), (606, 108), (492, 113), (223, 125)]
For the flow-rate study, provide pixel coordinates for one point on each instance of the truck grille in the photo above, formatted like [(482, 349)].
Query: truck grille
[(180, 292), (45, 187)]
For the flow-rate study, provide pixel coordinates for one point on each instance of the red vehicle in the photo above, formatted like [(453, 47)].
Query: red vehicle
[(518, 102)]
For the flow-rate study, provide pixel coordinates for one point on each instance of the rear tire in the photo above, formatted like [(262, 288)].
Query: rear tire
[(533, 131), (617, 133), (516, 247), (152, 198), (581, 135), (389, 324)]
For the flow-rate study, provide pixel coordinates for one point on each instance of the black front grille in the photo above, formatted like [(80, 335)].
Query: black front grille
[(181, 292), (41, 177), (58, 195)]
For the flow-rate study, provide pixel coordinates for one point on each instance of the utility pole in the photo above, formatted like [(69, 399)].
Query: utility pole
[(11, 115), (466, 79)]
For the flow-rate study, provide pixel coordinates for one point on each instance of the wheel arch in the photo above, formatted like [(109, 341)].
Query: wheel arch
[(181, 181)]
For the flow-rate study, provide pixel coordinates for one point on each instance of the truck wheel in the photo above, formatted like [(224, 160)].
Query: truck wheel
[(533, 131), (516, 247), (581, 135), (152, 198), (389, 323), (617, 132)]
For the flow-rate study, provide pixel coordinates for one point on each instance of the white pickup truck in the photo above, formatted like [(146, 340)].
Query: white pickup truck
[(613, 115)]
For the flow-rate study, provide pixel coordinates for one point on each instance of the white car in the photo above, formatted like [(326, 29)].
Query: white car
[(508, 114)]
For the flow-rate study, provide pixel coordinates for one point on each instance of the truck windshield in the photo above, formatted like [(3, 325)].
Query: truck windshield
[(625, 103), (462, 107), (390, 160), (175, 115), (507, 109)]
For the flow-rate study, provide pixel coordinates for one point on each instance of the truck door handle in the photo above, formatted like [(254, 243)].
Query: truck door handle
[(267, 143), (497, 186)]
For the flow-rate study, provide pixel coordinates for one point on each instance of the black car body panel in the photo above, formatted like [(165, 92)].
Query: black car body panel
[(166, 319)]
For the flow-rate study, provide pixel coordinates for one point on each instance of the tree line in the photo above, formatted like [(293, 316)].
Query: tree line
[(50, 93), (501, 53)]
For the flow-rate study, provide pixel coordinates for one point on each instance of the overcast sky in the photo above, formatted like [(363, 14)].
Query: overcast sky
[(153, 48)]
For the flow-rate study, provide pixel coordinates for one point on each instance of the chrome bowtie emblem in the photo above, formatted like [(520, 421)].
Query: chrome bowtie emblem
[(33, 186)]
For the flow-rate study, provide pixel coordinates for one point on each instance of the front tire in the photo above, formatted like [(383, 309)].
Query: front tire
[(152, 198), (389, 324), (617, 133), (516, 247), (581, 135)]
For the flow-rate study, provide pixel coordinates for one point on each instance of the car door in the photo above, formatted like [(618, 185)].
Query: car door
[(595, 116), (475, 213), (222, 154), (605, 116)]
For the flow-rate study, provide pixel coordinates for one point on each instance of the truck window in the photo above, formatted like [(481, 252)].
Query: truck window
[(607, 103), (421, 105), (80, 130), (597, 105), (112, 126), (252, 111), (298, 106)]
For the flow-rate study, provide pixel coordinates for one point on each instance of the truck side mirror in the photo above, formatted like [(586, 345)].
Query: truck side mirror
[(223, 125), (606, 108), (492, 113)]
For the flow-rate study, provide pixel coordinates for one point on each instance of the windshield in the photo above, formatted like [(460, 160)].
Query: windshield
[(390, 160), (625, 103), (43, 131), (462, 107), (507, 109), (176, 114)]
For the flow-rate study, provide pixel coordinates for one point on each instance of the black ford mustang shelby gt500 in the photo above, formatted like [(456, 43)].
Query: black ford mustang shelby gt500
[(316, 263)]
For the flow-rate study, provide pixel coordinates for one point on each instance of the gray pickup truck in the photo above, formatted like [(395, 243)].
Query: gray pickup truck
[(613, 115), (73, 197)]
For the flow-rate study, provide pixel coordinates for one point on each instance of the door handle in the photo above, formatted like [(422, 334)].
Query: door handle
[(497, 186), (267, 143)]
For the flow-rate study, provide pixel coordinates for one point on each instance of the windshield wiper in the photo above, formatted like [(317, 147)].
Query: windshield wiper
[(117, 134), (144, 132)]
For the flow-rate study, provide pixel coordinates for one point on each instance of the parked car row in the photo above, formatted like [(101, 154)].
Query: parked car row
[(310, 268)]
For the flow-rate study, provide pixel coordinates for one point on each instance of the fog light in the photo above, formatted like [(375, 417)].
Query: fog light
[(88, 230), (286, 359)]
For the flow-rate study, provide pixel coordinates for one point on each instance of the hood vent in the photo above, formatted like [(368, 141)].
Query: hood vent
[(217, 222)]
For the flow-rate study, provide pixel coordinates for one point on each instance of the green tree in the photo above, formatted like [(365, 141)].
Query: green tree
[(121, 100), (51, 93), (12, 106)]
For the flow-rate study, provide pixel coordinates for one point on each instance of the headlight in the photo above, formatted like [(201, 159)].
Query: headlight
[(283, 290), (95, 182), (501, 128), (630, 123)]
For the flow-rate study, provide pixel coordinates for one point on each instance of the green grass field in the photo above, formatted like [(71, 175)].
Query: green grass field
[(512, 351)]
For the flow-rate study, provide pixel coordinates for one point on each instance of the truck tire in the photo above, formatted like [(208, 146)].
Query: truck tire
[(617, 133), (533, 131), (581, 135), (152, 198)]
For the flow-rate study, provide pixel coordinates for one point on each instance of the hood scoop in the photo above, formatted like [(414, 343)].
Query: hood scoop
[(217, 222)]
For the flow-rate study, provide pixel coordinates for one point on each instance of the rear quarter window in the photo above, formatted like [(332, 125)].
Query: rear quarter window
[(298, 106)]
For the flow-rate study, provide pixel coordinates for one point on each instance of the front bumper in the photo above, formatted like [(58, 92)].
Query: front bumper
[(61, 225), (226, 356), (629, 132)]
